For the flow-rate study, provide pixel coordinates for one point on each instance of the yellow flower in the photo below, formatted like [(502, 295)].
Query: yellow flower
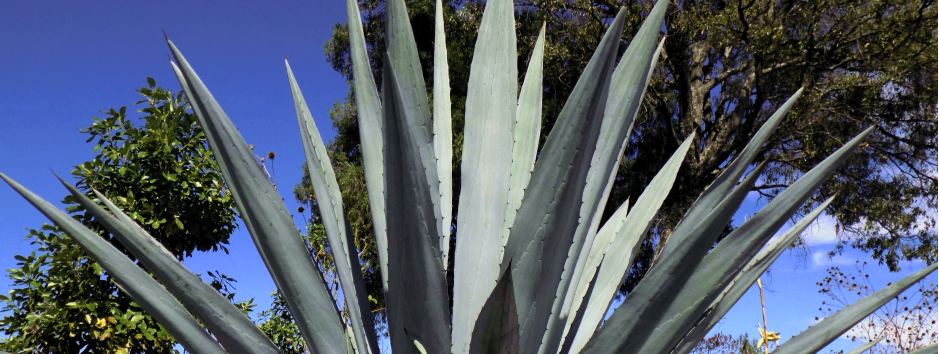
[(766, 337)]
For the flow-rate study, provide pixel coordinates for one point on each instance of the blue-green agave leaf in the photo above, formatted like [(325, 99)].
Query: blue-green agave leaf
[(263, 211), (613, 228), (731, 255), (827, 330), (443, 133), (527, 133), (871, 344), (496, 329), (628, 84), (235, 331), (402, 50), (350, 342), (725, 181), (417, 298), (732, 293), (666, 288), (622, 105), (642, 304), (926, 350), (542, 237), (146, 291), (622, 249), (487, 163), (368, 109), (338, 233)]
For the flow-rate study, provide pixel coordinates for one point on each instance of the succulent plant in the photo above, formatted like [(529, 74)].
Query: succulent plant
[(534, 269)]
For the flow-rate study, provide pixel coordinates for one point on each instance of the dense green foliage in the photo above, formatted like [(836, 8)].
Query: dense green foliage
[(726, 67), (63, 303), (277, 324), (163, 175)]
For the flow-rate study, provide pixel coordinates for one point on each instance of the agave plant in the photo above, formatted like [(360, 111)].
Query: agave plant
[(534, 269)]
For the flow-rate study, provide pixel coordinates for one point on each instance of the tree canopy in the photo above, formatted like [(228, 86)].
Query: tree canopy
[(162, 174), (725, 68)]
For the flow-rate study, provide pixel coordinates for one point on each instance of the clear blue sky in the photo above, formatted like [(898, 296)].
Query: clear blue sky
[(63, 62)]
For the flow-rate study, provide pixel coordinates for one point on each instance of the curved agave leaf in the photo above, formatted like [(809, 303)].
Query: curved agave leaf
[(496, 329), (488, 136), (235, 331), (623, 103), (152, 297), (724, 182), (725, 261), (368, 109), (732, 293), (666, 286), (443, 133), (341, 241), (543, 232), (624, 244), (926, 350), (263, 211), (606, 340), (865, 347), (417, 297), (827, 330)]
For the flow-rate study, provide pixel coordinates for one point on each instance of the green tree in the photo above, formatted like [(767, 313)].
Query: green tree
[(277, 323), (726, 66), (162, 174)]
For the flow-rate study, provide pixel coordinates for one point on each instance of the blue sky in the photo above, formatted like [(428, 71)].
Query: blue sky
[(63, 62)]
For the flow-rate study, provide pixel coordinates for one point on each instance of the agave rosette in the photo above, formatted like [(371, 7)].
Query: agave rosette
[(534, 269)]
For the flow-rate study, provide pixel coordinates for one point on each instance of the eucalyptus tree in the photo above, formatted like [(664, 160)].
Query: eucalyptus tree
[(726, 67)]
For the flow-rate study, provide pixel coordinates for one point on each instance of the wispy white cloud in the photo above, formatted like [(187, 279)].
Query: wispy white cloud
[(821, 232), (822, 259)]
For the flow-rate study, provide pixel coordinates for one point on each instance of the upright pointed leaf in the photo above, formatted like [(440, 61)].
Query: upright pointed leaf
[(732, 293), (368, 110), (152, 297), (624, 242), (417, 298), (341, 241), (625, 95), (827, 330), (542, 236), (666, 288), (725, 261), (496, 329), (486, 168), (613, 229), (443, 133), (402, 50), (724, 182), (626, 89), (527, 133), (235, 331), (263, 211)]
